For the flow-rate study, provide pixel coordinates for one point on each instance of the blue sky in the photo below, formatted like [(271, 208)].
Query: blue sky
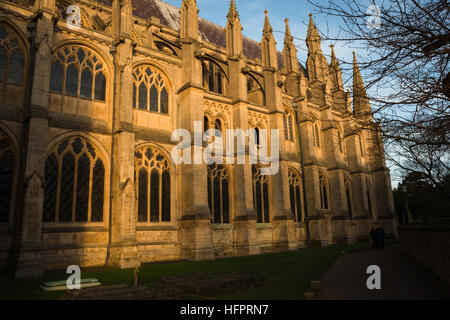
[(251, 13)]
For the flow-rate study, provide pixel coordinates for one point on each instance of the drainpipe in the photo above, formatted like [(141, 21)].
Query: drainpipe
[(300, 144), (113, 51), (23, 151)]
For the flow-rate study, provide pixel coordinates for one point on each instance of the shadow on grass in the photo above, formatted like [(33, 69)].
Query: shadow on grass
[(289, 274)]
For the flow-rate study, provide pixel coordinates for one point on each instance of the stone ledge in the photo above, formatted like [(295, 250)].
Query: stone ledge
[(222, 226), (71, 229), (156, 228)]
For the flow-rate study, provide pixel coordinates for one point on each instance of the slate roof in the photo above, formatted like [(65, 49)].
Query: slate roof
[(169, 16)]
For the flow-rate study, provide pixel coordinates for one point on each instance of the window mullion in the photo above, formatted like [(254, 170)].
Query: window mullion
[(221, 200), (80, 71), (212, 199), (58, 187), (149, 176), (159, 100), (148, 95), (263, 211), (91, 178), (74, 192), (160, 196), (93, 83)]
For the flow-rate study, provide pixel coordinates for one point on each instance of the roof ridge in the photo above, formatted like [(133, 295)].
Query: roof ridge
[(210, 31)]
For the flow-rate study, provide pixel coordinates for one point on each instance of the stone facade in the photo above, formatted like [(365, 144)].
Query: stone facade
[(86, 119)]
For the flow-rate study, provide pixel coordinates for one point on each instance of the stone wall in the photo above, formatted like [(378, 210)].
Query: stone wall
[(429, 244)]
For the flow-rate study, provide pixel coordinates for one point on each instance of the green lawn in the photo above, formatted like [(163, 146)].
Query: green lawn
[(289, 272)]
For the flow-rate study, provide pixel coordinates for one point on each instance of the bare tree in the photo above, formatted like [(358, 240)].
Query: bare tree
[(406, 64)]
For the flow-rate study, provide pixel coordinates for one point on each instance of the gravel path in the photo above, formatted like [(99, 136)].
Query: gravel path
[(401, 278)]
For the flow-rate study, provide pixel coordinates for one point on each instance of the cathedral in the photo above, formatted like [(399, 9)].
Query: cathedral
[(91, 92)]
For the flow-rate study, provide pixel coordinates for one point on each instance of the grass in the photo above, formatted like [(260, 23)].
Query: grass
[(290, 273)]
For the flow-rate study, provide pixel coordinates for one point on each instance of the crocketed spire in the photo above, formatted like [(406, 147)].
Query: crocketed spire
[(335, 71), (232, 13), (268, 45), (312, 37), (289, 51), (233, 32), (361, 106)]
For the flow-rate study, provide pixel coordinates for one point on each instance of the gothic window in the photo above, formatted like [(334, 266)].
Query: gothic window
[(150, 90), (286, 130), (153, 185), (12, 57), (260, 195), (316, 136), (218, 125), (348, 196), (323, 190), (74, 183), (219, 193), (205, 124), (288, 126), (369, 198), (213, 77), (291, 127), (295, 195), (78, 72), (257, 137), (8, 162)]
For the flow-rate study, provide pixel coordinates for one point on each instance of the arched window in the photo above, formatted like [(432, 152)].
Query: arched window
[(288, 126), (260, 195), (316, 135), (152, 185), (323, 190), (78, 72), (74, 183), (213, 77), (348, 195), (12, 59), (150, 90), (8, 162), (369, 198), (218, 125), (295, 195), (257, 137), (291, 127), (285, 125), (219, 193), (205, 124)]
